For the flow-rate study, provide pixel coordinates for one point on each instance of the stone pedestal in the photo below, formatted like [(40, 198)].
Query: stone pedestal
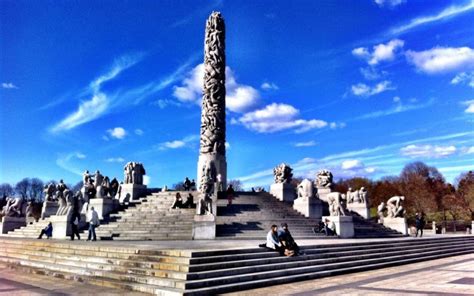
[(322, 192), (204, 227), (344, 225), (309, 207), (62, 226), (398, 224), (103, 206), (132, 192), (11, 223), (49, 208), (221, 167), (283, 191), (359, 208)]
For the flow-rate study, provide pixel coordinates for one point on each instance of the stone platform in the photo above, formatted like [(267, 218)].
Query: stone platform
[(212, 267)]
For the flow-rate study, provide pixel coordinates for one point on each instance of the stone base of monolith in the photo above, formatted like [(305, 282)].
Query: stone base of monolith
[(322, 192), (49, 208), (344, 225), (220, 164), (283, 191), (309, 207), (104, 206), (11, 223), (62, 226), (204, 227), (359, 208), (398, 224), (132, 192)]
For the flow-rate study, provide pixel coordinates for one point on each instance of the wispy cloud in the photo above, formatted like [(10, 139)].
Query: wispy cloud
[(66, 162), (269, 86), (380, 52), (389, 3), (447, 13), (305, 144), (466, 78), (470, 106), (427, 151), (398, 108), (115, 159), (9, 85), (176, 144), (139, 132), (95, 107), (364, 90)]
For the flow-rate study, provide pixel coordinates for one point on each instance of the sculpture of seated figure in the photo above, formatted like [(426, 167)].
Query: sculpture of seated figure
[(49, 191), (14, 210), (305, 190), (363, 195), (9, 201), (336, 202), (204, 206), (380, 210), (394, 207)]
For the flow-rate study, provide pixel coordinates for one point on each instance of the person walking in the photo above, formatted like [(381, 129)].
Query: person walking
[(419, 223), (93, 223), (230, 194), (75, 226)]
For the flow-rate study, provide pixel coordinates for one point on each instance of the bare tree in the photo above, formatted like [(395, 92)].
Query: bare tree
[(77, 187), (236, 184), (23, 187), (6, 190), (36, 189)]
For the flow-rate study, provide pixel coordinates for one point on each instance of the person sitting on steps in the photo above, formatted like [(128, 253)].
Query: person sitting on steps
[(287, 241), (329, 228), (272, 241), (189, 203), (48, 231), (178, 201)]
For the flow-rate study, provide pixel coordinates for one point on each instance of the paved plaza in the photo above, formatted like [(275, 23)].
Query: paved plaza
[(447, 276)]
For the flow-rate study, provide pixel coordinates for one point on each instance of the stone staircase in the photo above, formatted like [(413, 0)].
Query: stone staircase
[(252, 214), (152, 219), (185, 272), (32, 230)]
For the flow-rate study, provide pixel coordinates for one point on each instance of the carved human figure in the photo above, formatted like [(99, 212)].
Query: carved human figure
[(336, 201), (206, 189), (61, 202), (324, 179), (98, 177), (305, 190), (114, 185), (350, 195), (66, 203), (380, 211), (127, 169), (85, 177), (363, 195), (282, 173), (29, 209), (61, 186), (49, 191), (395, 207)]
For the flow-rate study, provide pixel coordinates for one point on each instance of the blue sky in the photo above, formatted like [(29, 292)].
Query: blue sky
[(358, 87)]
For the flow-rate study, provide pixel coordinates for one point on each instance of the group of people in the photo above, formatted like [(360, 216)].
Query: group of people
[(179, 204), (189, 185), (282, 241), (92, 218), (327, 227)]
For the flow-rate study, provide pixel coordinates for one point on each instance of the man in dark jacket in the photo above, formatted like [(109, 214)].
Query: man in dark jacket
[(419, 223), (287, 240)]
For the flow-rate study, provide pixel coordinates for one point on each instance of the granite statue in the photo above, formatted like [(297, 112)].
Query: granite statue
[(337, 204), (282, 173), (324, 179), (305, 190), (395, 207)]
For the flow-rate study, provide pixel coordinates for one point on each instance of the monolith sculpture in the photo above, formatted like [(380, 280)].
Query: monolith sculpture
[(212, 144)]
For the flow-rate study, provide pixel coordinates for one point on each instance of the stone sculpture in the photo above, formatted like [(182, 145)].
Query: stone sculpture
[(86, 177), (282, 173), (49, 191), (395, 207), (213, 124), (98, 178), (114, 186), (133, 173), (305, 190), (66, 203), (363, 195), (380, 211), (61, 186), (206, 189), (337, 206), (324, 179)]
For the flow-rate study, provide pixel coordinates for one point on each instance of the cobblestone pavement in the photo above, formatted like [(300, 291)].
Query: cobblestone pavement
[(448, 276)]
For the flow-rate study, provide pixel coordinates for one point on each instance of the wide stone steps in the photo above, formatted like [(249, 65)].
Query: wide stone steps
[(184, 272), (152, 219)]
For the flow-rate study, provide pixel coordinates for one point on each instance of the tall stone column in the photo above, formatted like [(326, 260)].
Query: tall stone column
[(212, 144)]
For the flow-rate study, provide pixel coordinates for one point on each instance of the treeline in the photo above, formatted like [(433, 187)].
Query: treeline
[(30, 189)]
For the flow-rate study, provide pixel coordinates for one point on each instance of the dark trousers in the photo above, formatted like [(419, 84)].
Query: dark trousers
[(328, 231), (75, 231), (421, 232), (43, 232), (92, 232)]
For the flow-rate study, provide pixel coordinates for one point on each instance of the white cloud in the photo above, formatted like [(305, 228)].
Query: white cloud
[(442, 59), (449, 12), (269, 86), (139, 132), (467, 150), (67, 162), (176, 144), (371, 73), (335, 125), (117, 132), (470, 106), (364, 90), (163, 103), (380, 52), (99, 103), (351, 164), (391, 3), (115, 159), (276, 117), (305, 144), (464, 78), (427, 151), (398, 108), (146, 180), (239, 97), (80, 155), (227, 145), (8, 85)]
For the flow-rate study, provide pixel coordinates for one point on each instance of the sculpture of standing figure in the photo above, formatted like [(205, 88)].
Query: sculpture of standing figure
[(128, 173), (305, 189), (394, 207), (380, 209), (61, 186), (49, 191), (336, 202), (98, 179), (85, 177), (363, 195), (206, 189)]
